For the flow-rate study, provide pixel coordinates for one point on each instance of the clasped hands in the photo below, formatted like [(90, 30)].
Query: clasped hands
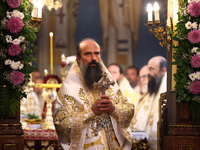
[(103, 105)]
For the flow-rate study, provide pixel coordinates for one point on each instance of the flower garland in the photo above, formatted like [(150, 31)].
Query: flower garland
[(187, 55), (15, 55)]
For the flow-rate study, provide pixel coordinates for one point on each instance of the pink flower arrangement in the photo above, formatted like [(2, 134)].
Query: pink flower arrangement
[(13, 3), (194, 9), (195, 62), (195, 87), (15, 25), (194, 36), (14, 50), (16, 77)]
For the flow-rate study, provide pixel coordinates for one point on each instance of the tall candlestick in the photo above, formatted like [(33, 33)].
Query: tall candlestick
[(149, 10), (51, 51), (156, 11)]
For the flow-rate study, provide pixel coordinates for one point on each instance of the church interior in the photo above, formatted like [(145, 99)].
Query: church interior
[(129, 34)]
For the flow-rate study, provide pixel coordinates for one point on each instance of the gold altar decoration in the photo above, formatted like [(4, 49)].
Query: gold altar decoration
[(36, 22), (49, 94), (39, 85), (159, 32), (27, 107)]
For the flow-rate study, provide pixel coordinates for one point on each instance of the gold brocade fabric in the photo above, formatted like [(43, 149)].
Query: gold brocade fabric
[(79, 128)]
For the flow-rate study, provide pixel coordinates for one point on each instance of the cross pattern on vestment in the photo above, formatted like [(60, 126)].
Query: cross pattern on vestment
[(104, 83)]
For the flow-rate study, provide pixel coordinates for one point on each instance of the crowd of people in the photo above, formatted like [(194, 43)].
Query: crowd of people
[(147, 85), (87, 118)]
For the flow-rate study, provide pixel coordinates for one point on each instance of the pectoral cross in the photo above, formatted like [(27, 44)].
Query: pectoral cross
[(104, 83)]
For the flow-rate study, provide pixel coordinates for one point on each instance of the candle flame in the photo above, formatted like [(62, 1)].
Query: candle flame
[(149, 7), (51, 34), (156, 6)]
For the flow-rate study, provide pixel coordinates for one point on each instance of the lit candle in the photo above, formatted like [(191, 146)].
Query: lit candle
[(63, 57), (156, 11), (45, 72), (34, 12), (149, 10), (39, 13), (51, 51), (37, 10), (40, 5)]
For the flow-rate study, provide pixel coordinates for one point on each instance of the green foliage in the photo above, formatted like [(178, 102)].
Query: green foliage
[(10, 94), (32, 116), (182, 58)]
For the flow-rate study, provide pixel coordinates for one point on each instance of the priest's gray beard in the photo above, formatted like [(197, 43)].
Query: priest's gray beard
[(154, 84), (91, 73)]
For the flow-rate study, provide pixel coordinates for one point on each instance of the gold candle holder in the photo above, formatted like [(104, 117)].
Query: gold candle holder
[(63, 73), (36, 22), (160, 33)]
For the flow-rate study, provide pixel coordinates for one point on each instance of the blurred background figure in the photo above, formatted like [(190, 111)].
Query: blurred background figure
[(32, 106), (132, 73), (142, 87), (143, 80), (38, 92), (117, 73), (36, 75)]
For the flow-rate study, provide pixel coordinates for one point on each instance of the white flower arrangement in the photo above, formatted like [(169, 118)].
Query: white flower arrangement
[(194, 50), (18, 40), (188, 25), (15, 13), (14, 65), (195, 76)]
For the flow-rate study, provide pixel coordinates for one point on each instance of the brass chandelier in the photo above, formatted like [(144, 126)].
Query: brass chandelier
[(52, 4)]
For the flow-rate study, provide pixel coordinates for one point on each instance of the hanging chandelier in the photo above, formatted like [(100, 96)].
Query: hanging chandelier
[(52, 4)]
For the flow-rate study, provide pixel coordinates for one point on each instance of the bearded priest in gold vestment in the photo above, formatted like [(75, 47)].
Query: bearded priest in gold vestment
[(146, 113), (89, 118)]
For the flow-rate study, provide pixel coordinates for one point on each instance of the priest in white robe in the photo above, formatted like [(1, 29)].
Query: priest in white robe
[(117, 73), (146, 113), (84, 116)]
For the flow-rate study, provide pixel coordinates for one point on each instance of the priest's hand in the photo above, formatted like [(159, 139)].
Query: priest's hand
[(106, 104), (96, 109)]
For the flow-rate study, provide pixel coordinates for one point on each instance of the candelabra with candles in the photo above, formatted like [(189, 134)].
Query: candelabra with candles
[(52, 4), (163, 36), (36, 19)]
